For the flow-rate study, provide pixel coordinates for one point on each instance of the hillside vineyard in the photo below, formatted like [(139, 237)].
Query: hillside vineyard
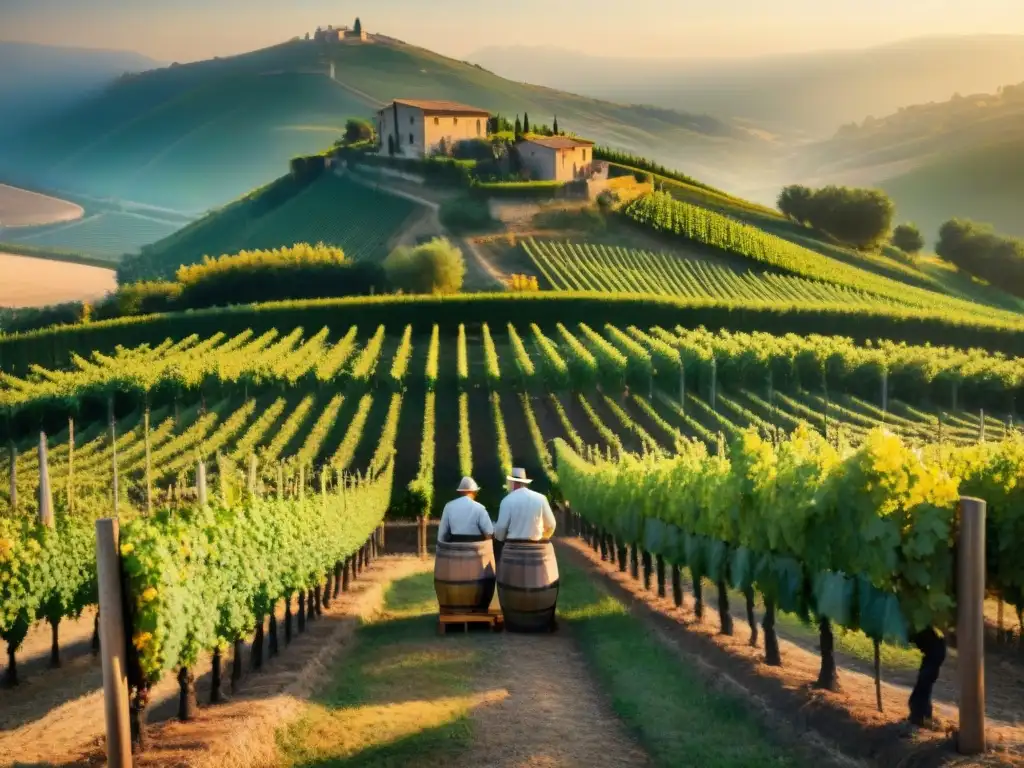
[(308, 441)]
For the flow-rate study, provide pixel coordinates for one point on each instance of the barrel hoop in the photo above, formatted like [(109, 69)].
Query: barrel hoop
[(464, 582), (552, 585)]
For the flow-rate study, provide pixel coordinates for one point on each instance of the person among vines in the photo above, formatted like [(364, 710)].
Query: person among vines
[(465, 519)]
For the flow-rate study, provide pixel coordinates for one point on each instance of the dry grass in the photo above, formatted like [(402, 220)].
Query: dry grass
[(30, 282), (21, 208)]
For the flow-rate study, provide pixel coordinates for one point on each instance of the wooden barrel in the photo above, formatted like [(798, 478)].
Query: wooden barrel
[(528, 586), (464, 576)]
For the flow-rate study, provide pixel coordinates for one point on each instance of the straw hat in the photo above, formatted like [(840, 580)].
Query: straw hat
[(468, 485), (519, 476)]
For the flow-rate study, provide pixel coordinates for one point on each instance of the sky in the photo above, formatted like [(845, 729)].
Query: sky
[(189, 30)]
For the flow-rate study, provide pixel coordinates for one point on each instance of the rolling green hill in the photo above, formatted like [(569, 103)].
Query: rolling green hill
[(332, 210), (195, 136), (963, 157)]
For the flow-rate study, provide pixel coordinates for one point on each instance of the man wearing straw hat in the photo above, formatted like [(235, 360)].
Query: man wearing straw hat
[(524, 514), (465, 519)]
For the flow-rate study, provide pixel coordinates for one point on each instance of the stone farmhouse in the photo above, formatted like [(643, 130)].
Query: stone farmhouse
[(415, 128), (556, 158), (339, 35)]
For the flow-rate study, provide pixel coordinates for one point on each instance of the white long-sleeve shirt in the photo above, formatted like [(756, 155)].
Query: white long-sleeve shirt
[(464, 517), (524, 514)]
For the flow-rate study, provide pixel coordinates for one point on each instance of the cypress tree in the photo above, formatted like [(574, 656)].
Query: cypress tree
[(519, 127), (358, 28), (555, 126), (526, 122)]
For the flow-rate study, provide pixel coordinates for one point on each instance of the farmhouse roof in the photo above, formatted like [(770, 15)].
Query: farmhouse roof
[(441, 107), (558, 142)]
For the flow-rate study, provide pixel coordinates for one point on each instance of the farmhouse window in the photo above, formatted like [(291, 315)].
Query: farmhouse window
[(412, 120), (455, 121), (584, 155), (437, 121), (411, 139), (477, 127)]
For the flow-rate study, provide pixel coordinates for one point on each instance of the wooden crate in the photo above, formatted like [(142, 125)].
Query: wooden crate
[(493, 618)]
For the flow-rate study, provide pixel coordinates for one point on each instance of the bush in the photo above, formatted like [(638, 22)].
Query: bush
[(436, 267), (473, 149), (466, 214), (607, 199), (977, 250), (307, 168), (908, 238), (300, 272), (358, 130), (144, 298), (582, 219), (642, 177), (33, 318)]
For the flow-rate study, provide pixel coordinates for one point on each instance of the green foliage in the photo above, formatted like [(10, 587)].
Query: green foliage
[(359, 129), (908, 238), (977, 250), (421, 487), (436, 267), (879, 516), (643, 164), (859, 217), (661, 212), (301, 271), (238, 561)]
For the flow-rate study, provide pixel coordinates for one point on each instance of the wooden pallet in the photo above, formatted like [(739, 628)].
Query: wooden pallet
[(493, 618)]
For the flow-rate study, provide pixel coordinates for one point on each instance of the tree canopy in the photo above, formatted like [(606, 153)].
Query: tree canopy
[(908, 238), (858, 217), (977, 250), (434, 267)]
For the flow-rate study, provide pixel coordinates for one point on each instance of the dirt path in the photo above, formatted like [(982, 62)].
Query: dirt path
[(407, 696), (59, 718), (849, 718)]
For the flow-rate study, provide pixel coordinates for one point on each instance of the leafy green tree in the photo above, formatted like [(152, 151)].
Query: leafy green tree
[(358, 129), (434, 267), (977, 250), (908, 238), (795, 202)]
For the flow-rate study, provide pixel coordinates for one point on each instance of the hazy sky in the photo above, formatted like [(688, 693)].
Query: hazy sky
[(185, 30)]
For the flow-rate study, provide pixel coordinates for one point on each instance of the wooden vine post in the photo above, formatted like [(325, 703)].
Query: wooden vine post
[(45, 495), (112, 636), (149, 463), (14, 476), (71, 465), (113, 448), (201, 482), (970, 629)]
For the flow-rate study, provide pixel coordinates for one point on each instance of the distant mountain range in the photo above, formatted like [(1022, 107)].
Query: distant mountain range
[(962, 157), (197, 135), (37, 81), (806, 95)]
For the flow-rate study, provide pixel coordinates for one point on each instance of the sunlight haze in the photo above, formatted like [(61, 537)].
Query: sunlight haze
[(189, 30)]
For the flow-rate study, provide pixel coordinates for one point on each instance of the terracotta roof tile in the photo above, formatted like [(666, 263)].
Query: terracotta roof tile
[(558, 142), (441, 107)]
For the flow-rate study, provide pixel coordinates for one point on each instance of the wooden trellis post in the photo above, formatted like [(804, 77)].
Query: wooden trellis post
[(112, 644), (201, 482), (971, 625), (45, 495)]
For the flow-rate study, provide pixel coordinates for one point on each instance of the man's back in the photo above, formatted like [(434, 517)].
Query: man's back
[(524, 515), (464, 517)]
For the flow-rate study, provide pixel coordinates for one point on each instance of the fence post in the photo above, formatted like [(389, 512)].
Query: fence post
[(971, 625), (112, 644)]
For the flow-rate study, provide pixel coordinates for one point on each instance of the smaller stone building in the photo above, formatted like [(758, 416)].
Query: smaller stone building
[(556, 158), (417, 128)]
